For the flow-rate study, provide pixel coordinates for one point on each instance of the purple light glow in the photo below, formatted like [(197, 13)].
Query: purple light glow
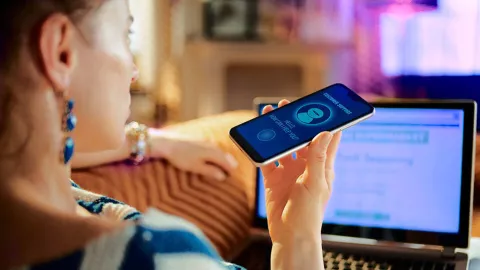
[(380, 3), (402, 8), (443, 42)]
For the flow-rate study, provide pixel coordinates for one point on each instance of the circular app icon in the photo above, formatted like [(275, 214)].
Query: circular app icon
[(266, 135), (313, 114)]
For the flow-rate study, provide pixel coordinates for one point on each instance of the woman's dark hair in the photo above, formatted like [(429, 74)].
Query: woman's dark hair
[(20, 21)]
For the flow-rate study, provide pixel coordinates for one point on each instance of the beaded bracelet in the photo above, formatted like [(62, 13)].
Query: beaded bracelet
[(138, 137)]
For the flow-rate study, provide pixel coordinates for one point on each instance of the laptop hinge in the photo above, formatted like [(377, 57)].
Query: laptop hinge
[(448, 253)]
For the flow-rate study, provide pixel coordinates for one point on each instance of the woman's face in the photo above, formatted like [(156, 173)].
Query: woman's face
[(100, 82)]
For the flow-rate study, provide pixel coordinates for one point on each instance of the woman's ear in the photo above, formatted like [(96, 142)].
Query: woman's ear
[(57, 50)]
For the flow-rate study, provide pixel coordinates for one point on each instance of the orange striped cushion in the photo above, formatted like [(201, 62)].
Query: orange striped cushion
[(223, 210)]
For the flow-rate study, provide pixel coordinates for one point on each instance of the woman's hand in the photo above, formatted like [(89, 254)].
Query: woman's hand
[(191, 155), (297, 192)]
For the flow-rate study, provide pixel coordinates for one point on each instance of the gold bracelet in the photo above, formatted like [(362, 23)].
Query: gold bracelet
[(138, 137)]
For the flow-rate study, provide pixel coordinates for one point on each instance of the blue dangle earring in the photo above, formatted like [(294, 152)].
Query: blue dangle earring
[(69, 121)]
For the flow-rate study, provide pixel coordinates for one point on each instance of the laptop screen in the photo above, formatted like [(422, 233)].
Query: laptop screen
[(401, 169)]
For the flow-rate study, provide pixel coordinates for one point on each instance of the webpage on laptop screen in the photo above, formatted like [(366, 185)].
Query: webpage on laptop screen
[(401, 169)]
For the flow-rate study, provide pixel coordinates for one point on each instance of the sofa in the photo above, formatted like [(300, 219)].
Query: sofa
[(223, 210)]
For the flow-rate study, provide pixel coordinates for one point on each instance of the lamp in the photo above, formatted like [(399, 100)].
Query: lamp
[(401, 6)]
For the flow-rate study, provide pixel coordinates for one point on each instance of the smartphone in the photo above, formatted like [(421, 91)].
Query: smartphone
[(285, 130)]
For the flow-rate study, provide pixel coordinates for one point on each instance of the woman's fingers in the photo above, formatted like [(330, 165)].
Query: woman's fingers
[(267, 109), (331, 156), (331, 152), (303, 153), (283, 102), (217, 157), (212, 171), (316, 162)]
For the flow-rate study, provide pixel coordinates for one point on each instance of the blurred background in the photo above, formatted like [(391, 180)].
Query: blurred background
[(203, 57)]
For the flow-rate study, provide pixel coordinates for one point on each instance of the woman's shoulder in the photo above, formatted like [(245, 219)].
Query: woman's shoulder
[(98, 204), (159, 241)]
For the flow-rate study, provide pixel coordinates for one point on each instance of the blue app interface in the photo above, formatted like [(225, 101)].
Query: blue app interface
[(299, 122)]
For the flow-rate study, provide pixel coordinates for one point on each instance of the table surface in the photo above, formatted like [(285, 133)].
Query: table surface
[(474, 254)]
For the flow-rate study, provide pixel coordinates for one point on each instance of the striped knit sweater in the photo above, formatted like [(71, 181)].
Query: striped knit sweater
[(157, 241)]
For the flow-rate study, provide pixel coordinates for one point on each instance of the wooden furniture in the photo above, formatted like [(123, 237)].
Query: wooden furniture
[(476, 222)]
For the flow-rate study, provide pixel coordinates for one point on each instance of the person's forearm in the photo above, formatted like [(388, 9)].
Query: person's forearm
[(297, 254), (85, 160)]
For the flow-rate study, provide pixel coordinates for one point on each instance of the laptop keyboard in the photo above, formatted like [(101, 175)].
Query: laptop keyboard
[(333, 261)]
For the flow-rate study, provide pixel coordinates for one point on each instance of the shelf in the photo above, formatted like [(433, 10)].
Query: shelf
[(267, 47), (205, 67)]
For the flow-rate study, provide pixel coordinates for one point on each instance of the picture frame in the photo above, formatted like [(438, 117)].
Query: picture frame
[(235, 20)]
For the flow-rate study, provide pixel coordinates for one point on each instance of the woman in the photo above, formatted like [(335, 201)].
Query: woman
[(46, 47)]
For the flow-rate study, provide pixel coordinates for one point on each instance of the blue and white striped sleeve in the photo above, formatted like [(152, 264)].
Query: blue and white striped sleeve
[(160, 241)]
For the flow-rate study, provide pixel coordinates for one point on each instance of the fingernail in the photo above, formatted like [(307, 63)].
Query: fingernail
[(324, 137), (328, 136), (220, 176), (232, 161)]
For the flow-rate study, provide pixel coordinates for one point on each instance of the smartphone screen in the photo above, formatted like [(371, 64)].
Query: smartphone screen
[(272, 134)]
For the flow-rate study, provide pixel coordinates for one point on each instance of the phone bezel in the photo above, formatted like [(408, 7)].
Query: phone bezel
[(259, 161)]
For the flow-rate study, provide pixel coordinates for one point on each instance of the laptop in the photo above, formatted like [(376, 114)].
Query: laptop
[(403, 191)]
